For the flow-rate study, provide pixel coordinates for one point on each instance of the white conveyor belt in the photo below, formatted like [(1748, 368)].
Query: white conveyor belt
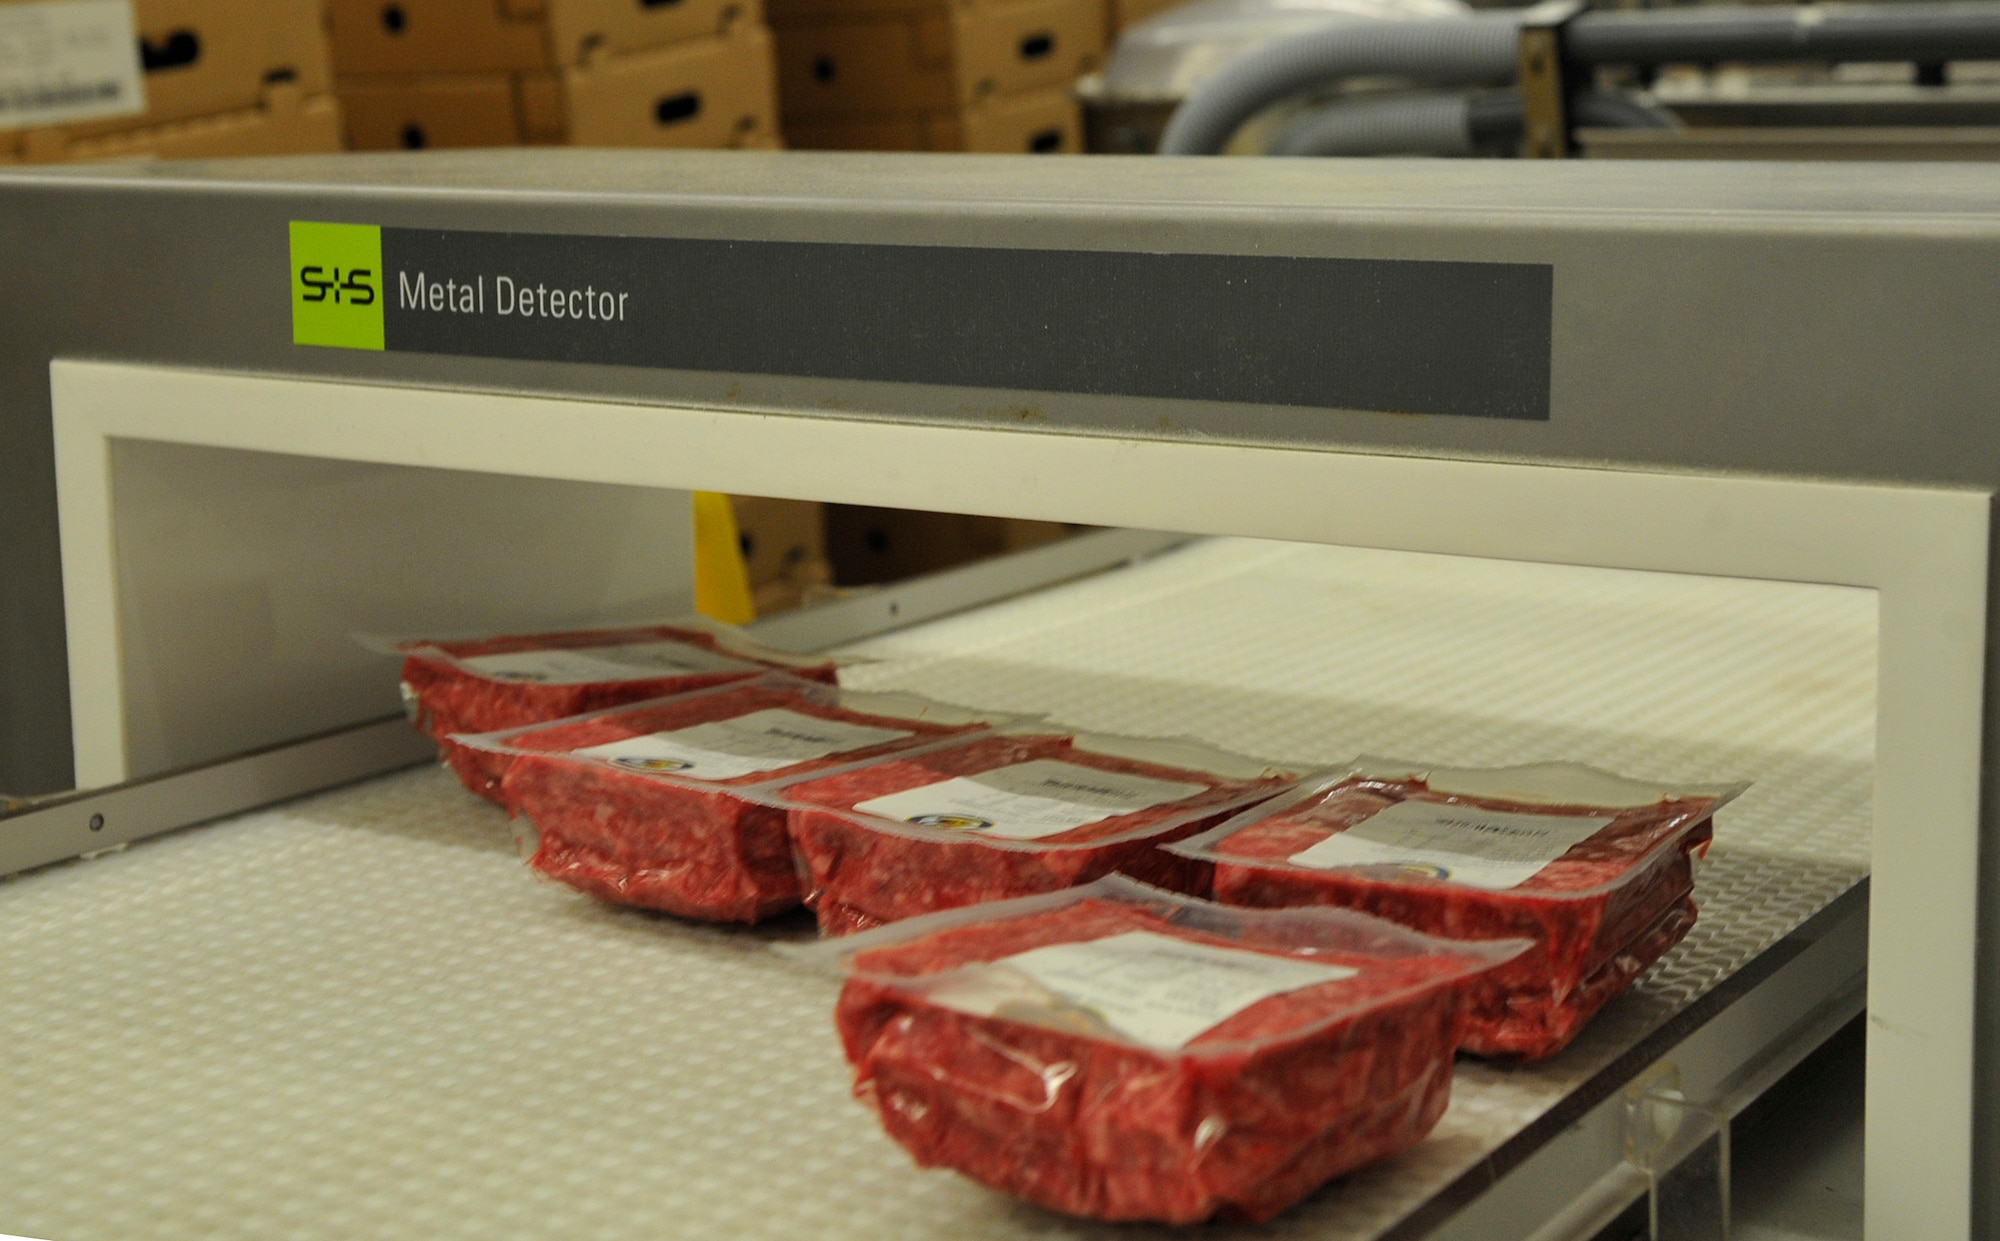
[(357, 1016)]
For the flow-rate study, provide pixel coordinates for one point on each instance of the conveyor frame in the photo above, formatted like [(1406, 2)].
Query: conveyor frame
[(1600, 664)]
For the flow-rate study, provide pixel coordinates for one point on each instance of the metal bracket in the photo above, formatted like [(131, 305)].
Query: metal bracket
[(1543, 80), (93, 821)]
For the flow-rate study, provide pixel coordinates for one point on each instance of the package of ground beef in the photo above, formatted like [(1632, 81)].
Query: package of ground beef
[(1596, 869), (654, 804), (483, 684), (1120, 1052), (1012, 813)]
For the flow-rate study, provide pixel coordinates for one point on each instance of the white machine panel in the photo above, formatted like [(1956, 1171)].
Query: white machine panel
[(243, 576)]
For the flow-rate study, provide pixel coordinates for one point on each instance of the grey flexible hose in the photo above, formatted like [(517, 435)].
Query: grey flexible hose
[(1482, 50), (1474, 50), (1404, 125), (1831, 32), (1445, 124)]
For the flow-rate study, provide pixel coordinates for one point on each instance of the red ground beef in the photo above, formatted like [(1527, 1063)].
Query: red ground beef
[(451, 698), (693, 848), (1600, 915), (1242, 1121), (863, 871)]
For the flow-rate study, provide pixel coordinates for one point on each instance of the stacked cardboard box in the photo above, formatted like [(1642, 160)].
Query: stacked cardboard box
[(220, 77), (784, 552), (455, 73), (870, 545), (935, 75)]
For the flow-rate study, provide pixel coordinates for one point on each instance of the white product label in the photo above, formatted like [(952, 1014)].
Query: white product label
[(640, 661), (74, 60), (725, 749), (1028, 800), (1153, 989), (1490, 849)]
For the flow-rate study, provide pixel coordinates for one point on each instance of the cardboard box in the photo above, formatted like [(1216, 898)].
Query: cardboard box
[(792, 12), (712, 92), (779, 537), (476, 36), (204, 58), (869, 545), (1044, 122), (438, 110), (287, 122), (784, 552), (933, 59)]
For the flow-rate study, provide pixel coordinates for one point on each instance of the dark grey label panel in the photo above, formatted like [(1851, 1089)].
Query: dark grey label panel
[(1468, 339)]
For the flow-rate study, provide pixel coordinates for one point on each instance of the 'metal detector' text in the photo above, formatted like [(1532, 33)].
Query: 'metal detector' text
[(503, 296)]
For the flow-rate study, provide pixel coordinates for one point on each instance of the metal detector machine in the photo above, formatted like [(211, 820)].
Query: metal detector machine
[(1685, 467)]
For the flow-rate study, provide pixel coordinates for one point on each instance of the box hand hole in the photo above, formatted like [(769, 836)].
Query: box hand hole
[(393, 19), (673, 109), (414, 138), (657, 4), (179, 49), (1047, 142), (1036, 46), (823, 70)]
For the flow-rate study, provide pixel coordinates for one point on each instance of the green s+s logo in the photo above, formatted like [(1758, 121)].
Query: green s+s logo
[(337, 285)]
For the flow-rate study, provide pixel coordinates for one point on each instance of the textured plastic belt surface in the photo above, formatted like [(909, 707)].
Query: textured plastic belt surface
[(358, 1016)]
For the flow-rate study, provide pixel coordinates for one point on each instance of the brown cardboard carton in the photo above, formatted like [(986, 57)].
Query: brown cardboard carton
[(933, 59), (287, 122), (779, 537), (784, 552), (435, 110), (432, 36), (539, 97), (581, 29), (207, 57), (713, 92), (869, 545), (1018, 534), (813, 585), (474, 36), (1043, 122), (791, 12)]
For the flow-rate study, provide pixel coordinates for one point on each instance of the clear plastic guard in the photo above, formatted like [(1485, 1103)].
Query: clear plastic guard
[(1682, 1148)]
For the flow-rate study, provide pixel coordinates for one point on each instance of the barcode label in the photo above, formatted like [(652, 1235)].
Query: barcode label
[(68, 60)]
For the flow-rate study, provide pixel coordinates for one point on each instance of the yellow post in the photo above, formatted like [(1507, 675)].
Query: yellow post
[(721, 584)]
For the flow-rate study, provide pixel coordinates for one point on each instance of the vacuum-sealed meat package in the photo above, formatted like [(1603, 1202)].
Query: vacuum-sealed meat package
[(654, 804), (1120, 1052), (1012, 813), (478, 685), (1596, 869)]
